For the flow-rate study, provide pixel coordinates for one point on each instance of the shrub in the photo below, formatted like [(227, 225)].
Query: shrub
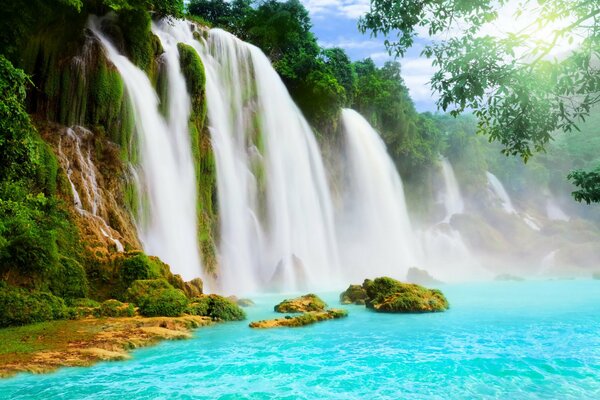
[(156, 297), (114, 308), (21, 307), (136, 267), (217, 307), (69, 280)]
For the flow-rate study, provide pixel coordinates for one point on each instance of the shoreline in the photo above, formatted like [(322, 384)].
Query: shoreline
[(44, 347)]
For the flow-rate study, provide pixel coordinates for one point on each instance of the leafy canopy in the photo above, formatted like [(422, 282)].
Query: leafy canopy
[(524, 85)]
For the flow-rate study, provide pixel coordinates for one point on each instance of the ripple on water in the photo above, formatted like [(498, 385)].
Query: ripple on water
[(499, 340)]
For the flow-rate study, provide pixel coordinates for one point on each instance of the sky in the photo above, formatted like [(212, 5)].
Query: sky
[(335, 25)]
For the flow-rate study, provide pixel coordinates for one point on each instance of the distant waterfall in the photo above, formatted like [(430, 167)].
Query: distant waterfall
[(276, 215), (375, 235), (498, 189), (453, 200), (167, 227)]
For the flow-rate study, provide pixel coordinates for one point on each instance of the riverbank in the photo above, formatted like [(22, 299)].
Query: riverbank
[(46, 346)]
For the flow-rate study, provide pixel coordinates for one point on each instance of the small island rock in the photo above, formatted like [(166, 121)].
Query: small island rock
[(302, 304)]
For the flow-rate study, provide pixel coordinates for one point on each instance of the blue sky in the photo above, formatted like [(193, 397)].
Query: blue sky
[(335, 25)]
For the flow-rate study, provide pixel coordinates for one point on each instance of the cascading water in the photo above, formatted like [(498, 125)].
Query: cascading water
[(445, 253), (91, 203), (376, 237), (168, 227), (498, 189), (453, 200), (275, 208), (554, 212)]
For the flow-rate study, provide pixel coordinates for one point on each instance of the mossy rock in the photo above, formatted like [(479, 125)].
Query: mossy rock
[(217, 307), (156, 297), (114, 308), (389, 295), (302, 304), (301, 320), (355, 294)]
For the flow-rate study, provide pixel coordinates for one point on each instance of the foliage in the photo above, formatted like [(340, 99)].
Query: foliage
[(69, 281), (19, 306), (588, 183), (228, 15), (523, 86), (156, 297), (34, 227), (217, 307)]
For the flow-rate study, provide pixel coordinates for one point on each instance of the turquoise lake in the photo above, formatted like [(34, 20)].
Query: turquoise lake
[(510, 340)]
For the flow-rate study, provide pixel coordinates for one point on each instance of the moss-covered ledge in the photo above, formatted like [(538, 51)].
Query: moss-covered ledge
[(46, 346), (204, 161)]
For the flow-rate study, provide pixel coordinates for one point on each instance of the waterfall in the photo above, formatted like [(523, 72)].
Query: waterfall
[(554, 212), (167, 228), (91, 203), (498, 189), (376, 235), (453, 200), (275, 210)]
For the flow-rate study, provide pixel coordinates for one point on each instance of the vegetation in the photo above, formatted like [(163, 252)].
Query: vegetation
[(355, 294), (156, 297), (302, 304), (114, 308), (523, 86), (21, 307), (216, 307), (389, 295), (307, 318)]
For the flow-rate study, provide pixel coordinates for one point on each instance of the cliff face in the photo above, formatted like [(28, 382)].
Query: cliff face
[(81, 109)]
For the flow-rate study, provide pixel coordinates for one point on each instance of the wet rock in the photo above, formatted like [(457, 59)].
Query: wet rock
[(302, 304), (300, 320), (355, 294)]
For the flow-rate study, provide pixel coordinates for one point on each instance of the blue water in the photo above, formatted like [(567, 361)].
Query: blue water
[(509, 340)]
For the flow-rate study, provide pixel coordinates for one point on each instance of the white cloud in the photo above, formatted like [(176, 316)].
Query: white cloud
[(351, 44), (351, 9)]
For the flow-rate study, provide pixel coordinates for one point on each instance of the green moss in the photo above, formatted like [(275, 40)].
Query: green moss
[(389, 295), (69, 280), (114, 308), (195, 76), (354, 294), (21, 307), (301, 320), (216, 307), (156, 297), (306, 303)]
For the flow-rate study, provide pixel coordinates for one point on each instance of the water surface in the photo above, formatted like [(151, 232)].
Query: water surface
[(514, 340)]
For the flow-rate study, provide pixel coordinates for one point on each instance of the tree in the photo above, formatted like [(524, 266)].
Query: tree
[(523, 86)]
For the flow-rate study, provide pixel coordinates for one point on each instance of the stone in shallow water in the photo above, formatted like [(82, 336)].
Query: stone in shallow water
[(389, 295), (300, 320), (355, 294), (420, 277), (306, 303)]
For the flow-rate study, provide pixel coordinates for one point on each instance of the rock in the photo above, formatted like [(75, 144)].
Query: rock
[(302, 304), (300, 320), (296, 269), (420, 277), (241, 302), (245, 303), (596, 275), (355, 294), (193, 288), (389, 295)]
